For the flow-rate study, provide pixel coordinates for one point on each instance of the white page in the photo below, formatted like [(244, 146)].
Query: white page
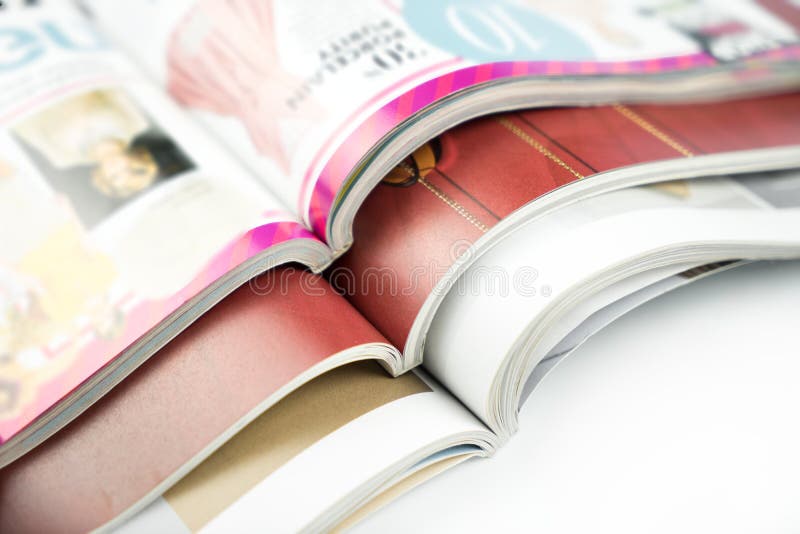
[(676, 418), (475, 330)]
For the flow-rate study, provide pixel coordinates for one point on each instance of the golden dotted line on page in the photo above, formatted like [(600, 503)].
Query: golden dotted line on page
[(647, 126), (441, 195), (458, 208), (519, 132)]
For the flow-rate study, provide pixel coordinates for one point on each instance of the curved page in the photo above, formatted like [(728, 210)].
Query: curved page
[(585, 245), (243, 356), (303, 91), (116, 215), (455, 189), (318, 456)]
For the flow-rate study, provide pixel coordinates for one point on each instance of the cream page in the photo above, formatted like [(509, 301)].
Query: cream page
[(269, 473)]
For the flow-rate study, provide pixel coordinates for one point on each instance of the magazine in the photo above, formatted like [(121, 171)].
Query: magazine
[(152, 164)]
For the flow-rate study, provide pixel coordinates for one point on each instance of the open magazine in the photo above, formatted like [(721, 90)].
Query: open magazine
[(152, 163)]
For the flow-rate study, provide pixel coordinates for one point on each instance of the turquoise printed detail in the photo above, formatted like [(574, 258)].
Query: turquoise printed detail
[(487, 32)]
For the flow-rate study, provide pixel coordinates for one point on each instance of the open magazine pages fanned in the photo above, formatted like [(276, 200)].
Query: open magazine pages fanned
[(120, 222), (155, 156), (244, 355), (469, 181), (138, 332), (658, 232), (350, 88), (347, 164)]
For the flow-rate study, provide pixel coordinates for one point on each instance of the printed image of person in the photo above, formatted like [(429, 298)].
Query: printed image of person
[(100, 150), (224, 58)]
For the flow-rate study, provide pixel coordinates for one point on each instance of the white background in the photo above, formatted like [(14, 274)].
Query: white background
[(683, 416)]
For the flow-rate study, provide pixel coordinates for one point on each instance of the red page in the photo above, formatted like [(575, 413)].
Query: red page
[(427, 211), (181, 399)]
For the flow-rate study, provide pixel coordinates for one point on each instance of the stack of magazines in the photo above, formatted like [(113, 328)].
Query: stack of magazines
[(266, 265)]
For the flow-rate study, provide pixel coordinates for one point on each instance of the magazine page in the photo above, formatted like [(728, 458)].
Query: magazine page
[(365, 432), (235, 363), (605, 306), (577, 252), (433, 209), (304, 90), (114, 210)]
